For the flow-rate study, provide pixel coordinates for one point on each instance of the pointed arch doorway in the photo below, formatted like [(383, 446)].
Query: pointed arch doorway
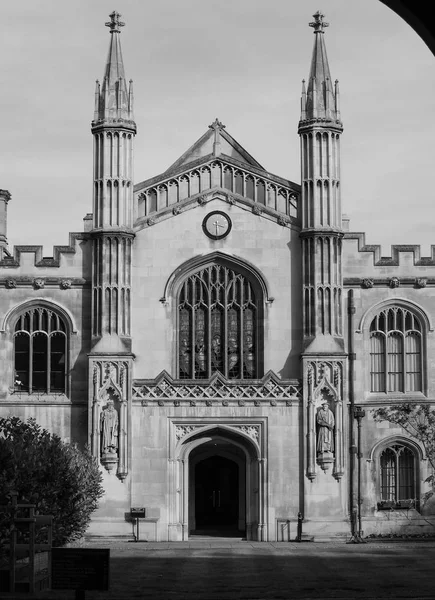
[(218, 484)]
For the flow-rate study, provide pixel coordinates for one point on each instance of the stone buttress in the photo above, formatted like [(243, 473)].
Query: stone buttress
[(323, 357)]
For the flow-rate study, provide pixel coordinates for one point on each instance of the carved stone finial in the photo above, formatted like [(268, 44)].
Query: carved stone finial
[(115, 24), (216, 125), (318, 22), (394, 282)]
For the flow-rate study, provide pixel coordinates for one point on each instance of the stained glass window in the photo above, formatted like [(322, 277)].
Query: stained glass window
[(395, 351), (218, 325), (40, 352)]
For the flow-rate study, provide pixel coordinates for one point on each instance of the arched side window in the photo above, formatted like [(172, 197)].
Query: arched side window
[(397, 477), (40, 351), (218, 324), (396, 351)]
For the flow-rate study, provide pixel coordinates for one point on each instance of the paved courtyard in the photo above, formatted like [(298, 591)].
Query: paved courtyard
[(228, 570)]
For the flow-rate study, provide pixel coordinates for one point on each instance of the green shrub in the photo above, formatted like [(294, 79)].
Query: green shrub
[(59, 478)]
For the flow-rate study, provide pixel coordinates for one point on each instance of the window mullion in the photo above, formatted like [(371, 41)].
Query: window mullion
[(193, 324), (396, 479), (403, 382), (242, 300), (30, 363), (48, 362), (387, 365), (208, 333), (224, 342)]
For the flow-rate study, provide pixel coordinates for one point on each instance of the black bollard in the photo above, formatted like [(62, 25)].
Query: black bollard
[(299, 533)]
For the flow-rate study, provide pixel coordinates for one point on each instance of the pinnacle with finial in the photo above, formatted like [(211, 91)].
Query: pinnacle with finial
[(114, 22), (318, 23), (216, 125)]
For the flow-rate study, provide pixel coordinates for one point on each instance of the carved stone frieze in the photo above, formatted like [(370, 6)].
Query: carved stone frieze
[(252, 430), (181, 430), (164, 390)]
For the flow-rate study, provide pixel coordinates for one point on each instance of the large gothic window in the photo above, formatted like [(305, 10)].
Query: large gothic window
[(396, 351), (397, 473), (40, 344), (218, 325)]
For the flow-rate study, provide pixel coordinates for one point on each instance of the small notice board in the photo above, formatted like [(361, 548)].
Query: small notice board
[(80, 569)]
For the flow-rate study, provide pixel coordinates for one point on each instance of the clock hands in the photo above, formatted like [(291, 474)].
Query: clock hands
[(216, 224)]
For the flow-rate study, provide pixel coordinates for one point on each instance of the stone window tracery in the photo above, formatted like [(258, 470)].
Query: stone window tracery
[(396, 351), (40, 350), (397, 477), (218, 310)]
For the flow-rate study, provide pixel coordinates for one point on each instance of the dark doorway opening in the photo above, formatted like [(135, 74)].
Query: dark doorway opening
[(217, 496)]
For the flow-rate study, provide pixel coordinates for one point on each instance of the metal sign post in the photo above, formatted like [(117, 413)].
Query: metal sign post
[(137, 513)]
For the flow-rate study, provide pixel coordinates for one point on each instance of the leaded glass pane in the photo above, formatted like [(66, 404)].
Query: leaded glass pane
[(395, 362), (406, 475), (388, 474), (185, 344), (377, 357), (413, 362)]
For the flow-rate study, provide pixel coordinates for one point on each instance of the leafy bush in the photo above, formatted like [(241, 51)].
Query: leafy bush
[(59, 478)]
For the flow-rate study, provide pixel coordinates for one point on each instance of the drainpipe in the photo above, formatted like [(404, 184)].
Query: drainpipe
[(359, 414), (352, 446)]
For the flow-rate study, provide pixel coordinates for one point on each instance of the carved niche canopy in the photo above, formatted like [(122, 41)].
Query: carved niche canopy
[(325, 417), (109, 414)]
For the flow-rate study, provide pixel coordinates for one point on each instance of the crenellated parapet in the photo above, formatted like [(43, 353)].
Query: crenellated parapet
[(396, 251), (14, 259)]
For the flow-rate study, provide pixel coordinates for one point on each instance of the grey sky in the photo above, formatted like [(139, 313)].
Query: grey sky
[(239, 60)]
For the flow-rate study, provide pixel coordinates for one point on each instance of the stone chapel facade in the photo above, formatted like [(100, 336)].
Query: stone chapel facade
[(216, 335)]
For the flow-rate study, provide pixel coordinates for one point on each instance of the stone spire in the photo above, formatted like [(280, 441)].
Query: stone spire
[(113, 99), (321, 99), (320, 131)]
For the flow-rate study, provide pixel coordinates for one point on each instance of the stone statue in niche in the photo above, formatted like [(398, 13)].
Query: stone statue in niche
[(109, 429), (325, 427), (325, 436)]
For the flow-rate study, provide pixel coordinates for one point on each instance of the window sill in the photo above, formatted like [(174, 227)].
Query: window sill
[(396, 396), (24, 398)]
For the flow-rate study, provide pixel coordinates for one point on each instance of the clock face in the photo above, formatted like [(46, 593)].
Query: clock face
[(217, 225)]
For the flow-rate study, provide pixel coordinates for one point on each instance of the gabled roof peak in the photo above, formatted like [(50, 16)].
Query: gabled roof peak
[(215, 141)]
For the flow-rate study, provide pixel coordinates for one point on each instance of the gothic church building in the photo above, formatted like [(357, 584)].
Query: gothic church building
[(219, 337)]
